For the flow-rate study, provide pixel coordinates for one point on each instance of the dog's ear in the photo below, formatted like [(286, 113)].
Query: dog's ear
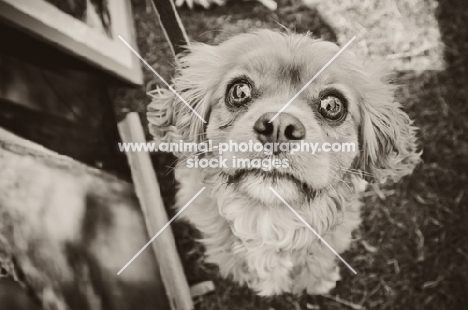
[(184, 116), (388, 147)]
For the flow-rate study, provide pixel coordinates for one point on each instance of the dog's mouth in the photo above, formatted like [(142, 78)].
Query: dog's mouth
[(273, 177)]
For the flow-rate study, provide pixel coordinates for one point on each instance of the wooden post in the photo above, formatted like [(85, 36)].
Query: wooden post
[(147, 190), (145, 181)]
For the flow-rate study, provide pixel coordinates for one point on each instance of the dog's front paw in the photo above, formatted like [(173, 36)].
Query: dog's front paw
[(325, 284), (320, 287)]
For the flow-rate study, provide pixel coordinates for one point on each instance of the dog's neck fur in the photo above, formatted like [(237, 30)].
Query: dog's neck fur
[(269, 247), (256, 224)]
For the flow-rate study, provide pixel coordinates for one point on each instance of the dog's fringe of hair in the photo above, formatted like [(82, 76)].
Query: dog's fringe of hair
[(162, 123)]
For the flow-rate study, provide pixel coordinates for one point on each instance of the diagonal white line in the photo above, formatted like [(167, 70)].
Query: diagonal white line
[(160, 231), (311, 80), (313, 230), (161, 78)]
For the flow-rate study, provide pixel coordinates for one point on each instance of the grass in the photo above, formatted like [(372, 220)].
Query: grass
[(411, 251)]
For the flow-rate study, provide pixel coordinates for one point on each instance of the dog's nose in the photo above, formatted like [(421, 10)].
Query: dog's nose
[(285, 127)]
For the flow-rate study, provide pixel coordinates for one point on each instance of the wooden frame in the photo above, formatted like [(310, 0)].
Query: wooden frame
[(149, 195), (50, 24)]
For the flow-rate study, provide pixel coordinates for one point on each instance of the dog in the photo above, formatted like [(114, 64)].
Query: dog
[(238, 87)]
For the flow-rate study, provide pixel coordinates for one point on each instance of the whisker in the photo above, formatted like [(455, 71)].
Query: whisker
[(352, 171), (340, 180)]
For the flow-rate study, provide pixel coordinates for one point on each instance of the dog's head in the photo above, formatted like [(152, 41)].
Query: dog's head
[(240, 85)]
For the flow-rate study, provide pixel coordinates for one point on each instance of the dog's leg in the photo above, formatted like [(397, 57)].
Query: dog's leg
[(323, 273), (320, 286), (316, 272), (222, 248), (272, 270)]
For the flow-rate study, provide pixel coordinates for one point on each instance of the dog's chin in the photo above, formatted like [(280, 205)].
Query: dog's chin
[(257, 185)]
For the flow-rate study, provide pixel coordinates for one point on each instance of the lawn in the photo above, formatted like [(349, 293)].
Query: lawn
[(411, 252)]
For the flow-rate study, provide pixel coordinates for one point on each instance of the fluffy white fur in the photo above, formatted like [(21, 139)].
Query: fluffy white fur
[(247, 231)]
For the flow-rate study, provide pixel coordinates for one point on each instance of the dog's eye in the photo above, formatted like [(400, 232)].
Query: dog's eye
[(332, 108), (239, 93)]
